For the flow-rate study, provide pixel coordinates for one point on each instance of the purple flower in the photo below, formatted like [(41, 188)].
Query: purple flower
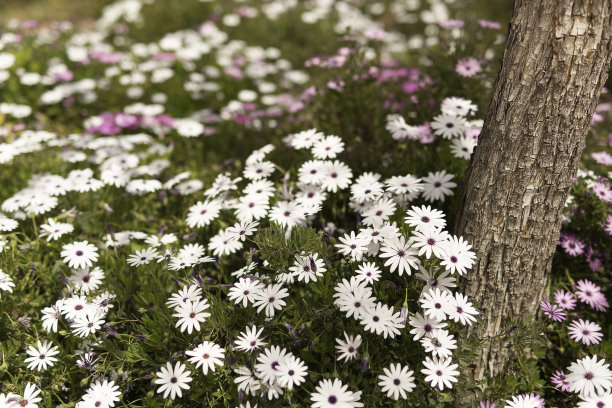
[(552, 311), (592, 257), (565, 299), (585, 331), (468, 67), (572, 245), (590, 294), (489, 24), (487, 404), (602, 191), (558, 379), (450, 24)]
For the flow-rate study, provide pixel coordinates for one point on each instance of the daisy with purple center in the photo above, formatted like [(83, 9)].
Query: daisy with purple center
[(559, 380), (565, 299), (79, 254), (440, 373), (585, 331), (590, 376), (552, 311), (431, 240), (593, 259), (572, 245), (401, 255), (424, 216), (602, 191), (423, 325), (468, 67), (590, 294), (525, 401)]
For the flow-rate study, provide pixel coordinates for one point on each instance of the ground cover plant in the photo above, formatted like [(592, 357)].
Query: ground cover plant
[(240, 204)]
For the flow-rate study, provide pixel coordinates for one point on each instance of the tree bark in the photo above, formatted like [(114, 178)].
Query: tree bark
[(551, 75)]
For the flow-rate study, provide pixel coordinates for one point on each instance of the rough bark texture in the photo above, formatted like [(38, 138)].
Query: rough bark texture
[(554, 66)]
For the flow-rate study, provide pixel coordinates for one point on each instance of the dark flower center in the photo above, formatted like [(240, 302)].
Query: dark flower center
[(79, 253), (431, 241), (332, 399), (589, 375), (396, 381), (174, 380)]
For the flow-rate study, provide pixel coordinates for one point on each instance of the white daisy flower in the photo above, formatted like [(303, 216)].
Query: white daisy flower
[(173, 380), (207, 355), (41, 356)]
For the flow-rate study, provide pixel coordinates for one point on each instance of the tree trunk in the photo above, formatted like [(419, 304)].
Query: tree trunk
[(551, 75)]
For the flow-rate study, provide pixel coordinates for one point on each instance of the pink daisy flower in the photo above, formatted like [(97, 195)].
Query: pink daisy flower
[(468, 67), (590, 294), (489, 24), (603, 192), (572, 245), (552, 311), (602, 158), (585, 331), (558, 379), (592, 257), (450, 24), (565, 299)]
